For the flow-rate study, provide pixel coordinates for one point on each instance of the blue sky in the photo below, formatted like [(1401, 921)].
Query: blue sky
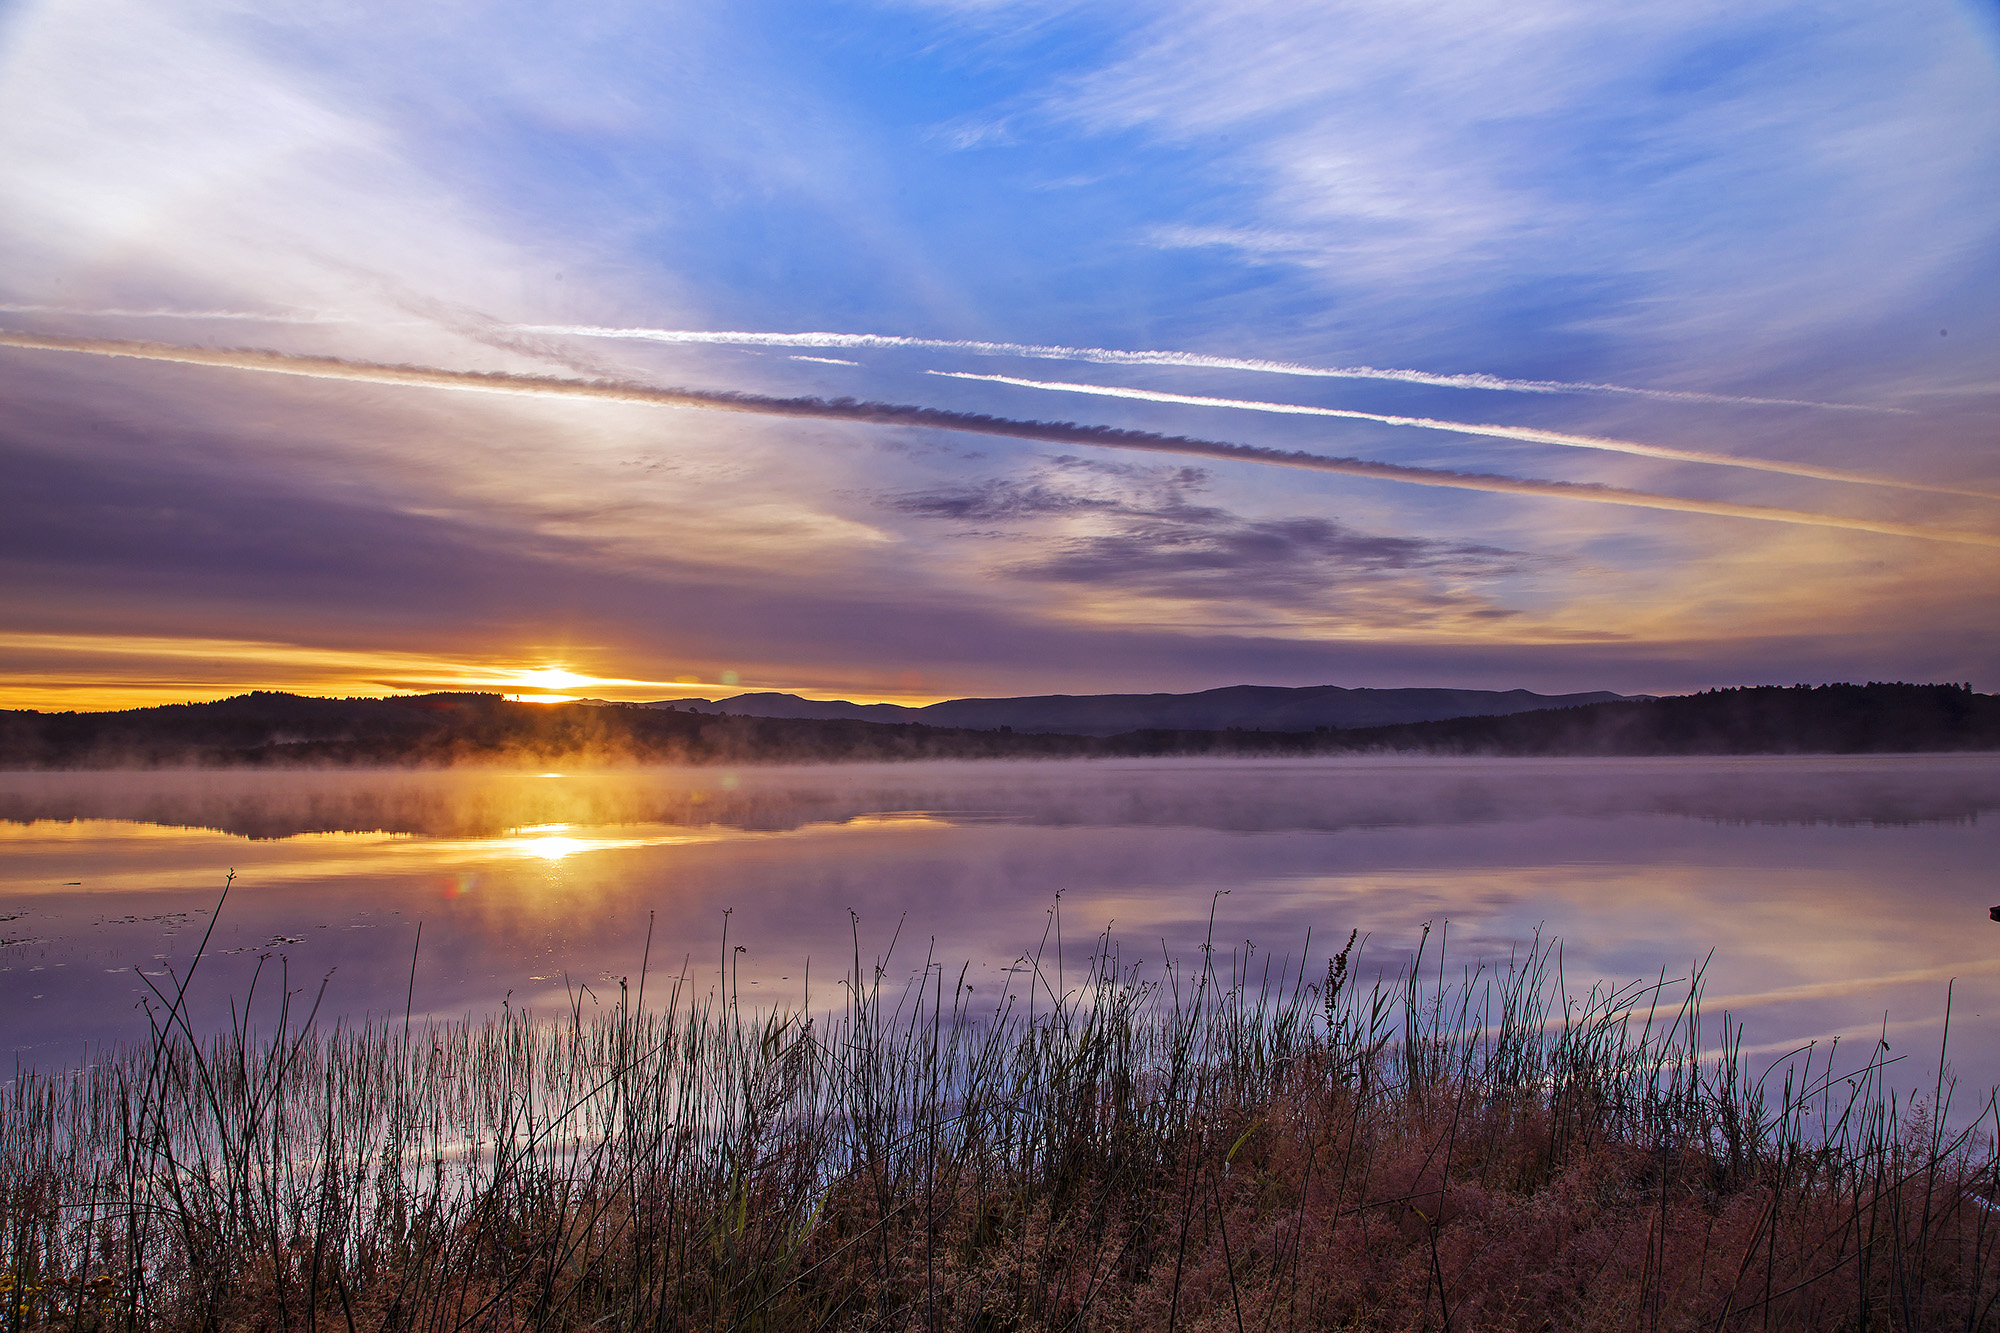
[(1715, 203)]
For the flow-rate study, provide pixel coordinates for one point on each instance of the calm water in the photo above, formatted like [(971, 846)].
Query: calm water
[(1826, 894)]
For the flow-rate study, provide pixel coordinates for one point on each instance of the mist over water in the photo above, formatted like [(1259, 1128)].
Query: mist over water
[(1824, 893)]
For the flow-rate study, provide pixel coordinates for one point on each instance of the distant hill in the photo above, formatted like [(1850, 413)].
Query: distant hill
[(1249, 707), (289, 730), (1877, 718), (271, 728)]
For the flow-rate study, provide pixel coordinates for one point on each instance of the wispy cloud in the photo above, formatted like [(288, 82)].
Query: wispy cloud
[(898, 414), (1715, 182)]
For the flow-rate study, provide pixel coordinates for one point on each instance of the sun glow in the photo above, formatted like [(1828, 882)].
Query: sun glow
[(104, 671), (557, 678), (95, 671)]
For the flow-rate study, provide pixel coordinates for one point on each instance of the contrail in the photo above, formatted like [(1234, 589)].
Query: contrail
[(898, 414), (244, 316), (1197, 360), (1036, 351), (1528, 433)]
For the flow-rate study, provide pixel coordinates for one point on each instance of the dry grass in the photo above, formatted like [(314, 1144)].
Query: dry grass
[(1231, 1146)]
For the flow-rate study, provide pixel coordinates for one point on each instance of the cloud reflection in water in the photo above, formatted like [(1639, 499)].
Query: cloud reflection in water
[(1829, 890)]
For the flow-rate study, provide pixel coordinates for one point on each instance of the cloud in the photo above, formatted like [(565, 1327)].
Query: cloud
[(1135, 532), (998, 501), (898, 414), (1288, 563), (1062, 486)]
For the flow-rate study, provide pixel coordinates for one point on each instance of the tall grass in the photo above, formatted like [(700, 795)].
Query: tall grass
[(1233, 1144)]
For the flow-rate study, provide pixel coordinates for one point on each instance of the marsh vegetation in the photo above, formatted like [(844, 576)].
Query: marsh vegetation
[(1239, 1143)]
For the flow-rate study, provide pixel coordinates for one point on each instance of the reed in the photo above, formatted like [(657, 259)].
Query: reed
[(1237, 1143)]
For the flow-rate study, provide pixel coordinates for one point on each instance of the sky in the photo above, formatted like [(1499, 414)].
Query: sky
[(1561, 345)]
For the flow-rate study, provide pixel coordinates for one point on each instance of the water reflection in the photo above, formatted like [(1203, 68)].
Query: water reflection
[(1241, 796), (1830, 891)]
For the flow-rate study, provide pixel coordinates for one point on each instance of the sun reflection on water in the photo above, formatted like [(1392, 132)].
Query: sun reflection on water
[(553, 848)]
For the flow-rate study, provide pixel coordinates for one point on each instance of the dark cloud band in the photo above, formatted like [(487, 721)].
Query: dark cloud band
[(1527, 434)]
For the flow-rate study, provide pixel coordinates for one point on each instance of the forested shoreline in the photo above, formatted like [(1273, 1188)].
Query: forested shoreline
[(285, 730)]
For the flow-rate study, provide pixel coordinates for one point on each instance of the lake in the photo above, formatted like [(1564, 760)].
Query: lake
[(1824, 896)]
